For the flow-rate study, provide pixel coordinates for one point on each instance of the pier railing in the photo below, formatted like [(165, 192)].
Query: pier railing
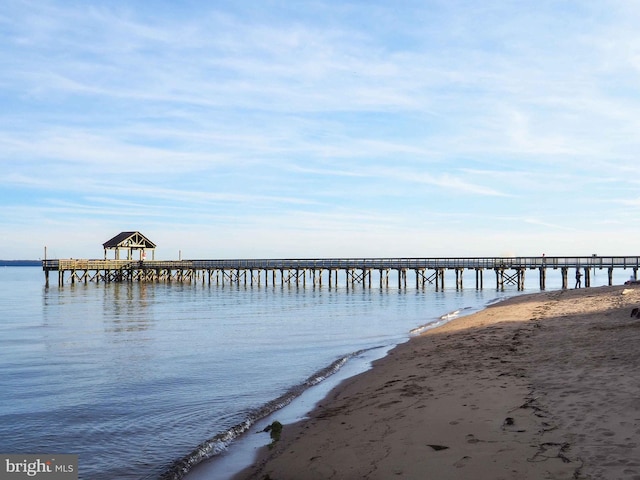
[(427, 263), (342, 263)]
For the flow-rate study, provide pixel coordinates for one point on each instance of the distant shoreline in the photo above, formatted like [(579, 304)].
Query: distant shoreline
[(20, 263)]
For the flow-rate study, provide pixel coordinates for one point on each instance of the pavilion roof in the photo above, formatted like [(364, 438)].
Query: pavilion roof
[(129, 240)]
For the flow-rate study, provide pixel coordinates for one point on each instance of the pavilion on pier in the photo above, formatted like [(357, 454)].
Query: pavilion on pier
[(129, 242)]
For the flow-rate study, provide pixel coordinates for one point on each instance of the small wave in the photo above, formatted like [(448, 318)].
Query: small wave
[(219, 443), (495, 300), (423, 328), (436, 323), (450, 315)]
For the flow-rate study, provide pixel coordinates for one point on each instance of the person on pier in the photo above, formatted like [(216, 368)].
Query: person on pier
[(578, 278)]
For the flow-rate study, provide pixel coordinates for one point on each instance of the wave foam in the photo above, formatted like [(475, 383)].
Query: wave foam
[(435, 323), (219, 443)]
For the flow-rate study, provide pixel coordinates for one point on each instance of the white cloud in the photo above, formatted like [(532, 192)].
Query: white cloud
[(334, 121)]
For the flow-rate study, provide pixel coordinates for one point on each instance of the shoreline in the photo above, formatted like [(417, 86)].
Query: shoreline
[(232, 461), (530, 387)]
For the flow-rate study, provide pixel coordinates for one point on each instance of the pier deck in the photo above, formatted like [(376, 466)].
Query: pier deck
[(426, 271)]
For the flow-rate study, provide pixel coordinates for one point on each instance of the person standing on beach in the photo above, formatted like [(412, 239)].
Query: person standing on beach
[(578, 278)]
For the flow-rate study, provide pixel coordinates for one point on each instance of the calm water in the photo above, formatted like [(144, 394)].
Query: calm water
[(135, 377)]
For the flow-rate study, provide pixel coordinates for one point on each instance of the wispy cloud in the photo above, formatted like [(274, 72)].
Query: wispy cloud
[(322, 117)]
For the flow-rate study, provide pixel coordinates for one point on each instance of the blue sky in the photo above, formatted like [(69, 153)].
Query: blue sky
[(320, 128)]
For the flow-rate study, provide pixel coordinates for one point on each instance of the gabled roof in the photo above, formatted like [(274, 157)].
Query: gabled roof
[(129, 240)]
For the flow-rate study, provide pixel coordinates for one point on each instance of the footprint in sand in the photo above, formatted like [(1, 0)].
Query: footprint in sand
[(437, 448), (462, 462), (471, 438), (509, 425)]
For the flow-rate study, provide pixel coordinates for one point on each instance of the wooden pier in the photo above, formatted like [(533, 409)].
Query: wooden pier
[(355, 271)]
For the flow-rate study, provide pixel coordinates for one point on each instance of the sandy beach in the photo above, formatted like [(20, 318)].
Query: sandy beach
[(541, 386)]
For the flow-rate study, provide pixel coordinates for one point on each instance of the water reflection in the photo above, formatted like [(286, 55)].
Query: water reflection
[(127, 307)]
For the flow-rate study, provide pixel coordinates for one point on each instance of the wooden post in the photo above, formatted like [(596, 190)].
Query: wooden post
[(402, 278), (565, 277), (479, 278), (46, 271), (384, 278), (543, 278)]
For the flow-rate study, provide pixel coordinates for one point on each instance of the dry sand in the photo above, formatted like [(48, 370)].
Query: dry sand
[(542, 386)]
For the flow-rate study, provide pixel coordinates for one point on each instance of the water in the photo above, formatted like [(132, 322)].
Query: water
[(135, 378)]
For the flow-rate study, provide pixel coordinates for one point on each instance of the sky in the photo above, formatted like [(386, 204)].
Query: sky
[(320, 128)]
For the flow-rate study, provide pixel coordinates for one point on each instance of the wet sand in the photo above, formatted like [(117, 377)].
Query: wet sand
[(541, 386)]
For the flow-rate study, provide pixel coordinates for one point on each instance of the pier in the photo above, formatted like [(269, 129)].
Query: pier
[(363, 272)]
